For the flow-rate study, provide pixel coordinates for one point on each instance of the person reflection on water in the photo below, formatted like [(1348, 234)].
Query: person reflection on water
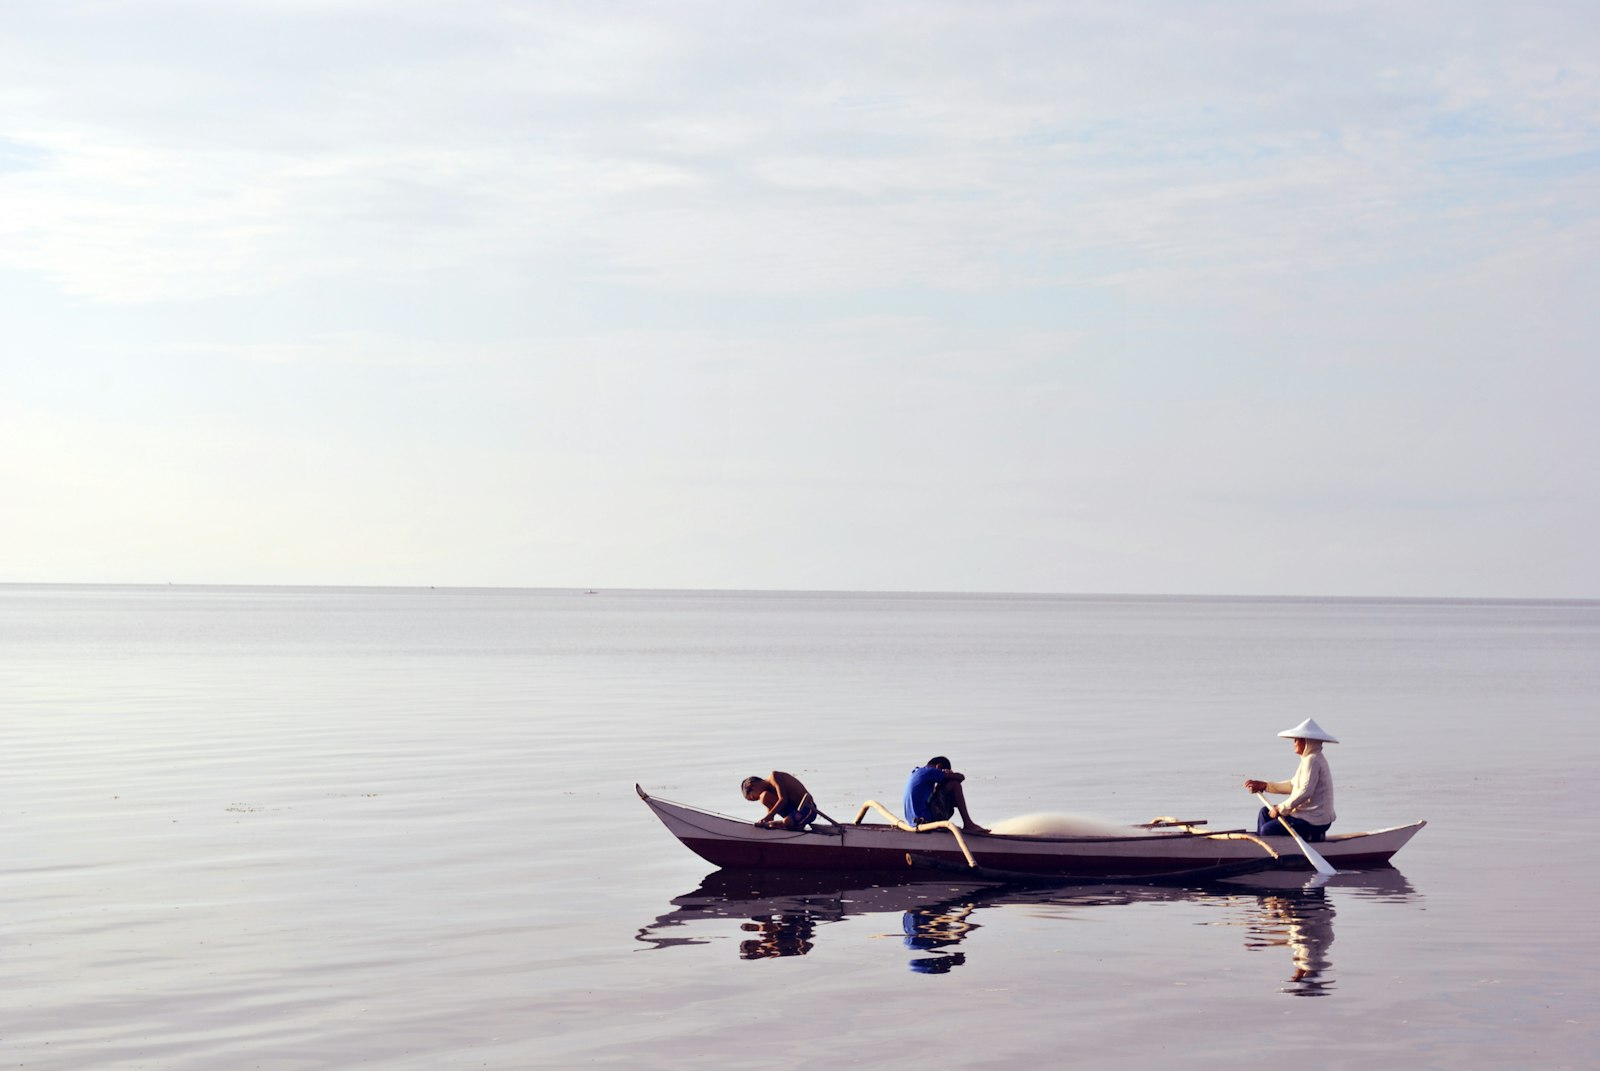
[(935, 930), (1309, 808), (1302, 921), (786, 934)]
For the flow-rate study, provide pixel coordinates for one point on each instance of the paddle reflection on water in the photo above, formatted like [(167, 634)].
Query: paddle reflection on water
[(783, 910)]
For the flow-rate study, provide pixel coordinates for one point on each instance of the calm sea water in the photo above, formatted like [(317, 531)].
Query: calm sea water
[(318, 828)]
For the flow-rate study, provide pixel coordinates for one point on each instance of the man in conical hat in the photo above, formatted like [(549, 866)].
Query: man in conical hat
[(1309, 807)]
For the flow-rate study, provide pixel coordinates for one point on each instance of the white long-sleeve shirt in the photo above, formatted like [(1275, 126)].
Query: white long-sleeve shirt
[(1310, 791)]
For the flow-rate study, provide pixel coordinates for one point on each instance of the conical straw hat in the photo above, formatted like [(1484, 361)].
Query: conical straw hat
[(1309, 730)]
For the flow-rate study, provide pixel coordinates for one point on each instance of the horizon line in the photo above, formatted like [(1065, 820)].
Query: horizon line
[(811, 592)]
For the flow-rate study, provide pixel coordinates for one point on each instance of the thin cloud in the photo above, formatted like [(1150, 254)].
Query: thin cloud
[(1016, 275)]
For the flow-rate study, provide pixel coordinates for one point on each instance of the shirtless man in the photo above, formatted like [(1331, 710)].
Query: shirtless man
[(788, 804)]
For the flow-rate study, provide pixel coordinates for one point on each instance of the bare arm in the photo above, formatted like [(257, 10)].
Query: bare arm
[(785, 787)]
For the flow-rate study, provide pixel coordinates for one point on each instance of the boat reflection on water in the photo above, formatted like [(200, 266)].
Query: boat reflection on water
[(783, 909), (779, 913)]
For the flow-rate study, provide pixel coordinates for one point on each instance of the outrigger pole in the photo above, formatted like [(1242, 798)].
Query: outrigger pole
[(925, 827)]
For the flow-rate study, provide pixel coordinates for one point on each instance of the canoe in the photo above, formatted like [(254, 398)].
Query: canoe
[(1142, 853)]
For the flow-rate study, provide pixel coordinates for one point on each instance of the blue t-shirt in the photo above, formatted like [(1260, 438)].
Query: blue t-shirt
[(919, 789)]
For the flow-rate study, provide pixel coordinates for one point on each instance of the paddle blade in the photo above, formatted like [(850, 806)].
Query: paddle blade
[(1324, 867)]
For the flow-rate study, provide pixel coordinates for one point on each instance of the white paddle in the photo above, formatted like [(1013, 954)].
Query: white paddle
[(1311, 854)]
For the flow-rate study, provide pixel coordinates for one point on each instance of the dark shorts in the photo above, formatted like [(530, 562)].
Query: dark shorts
[(940, 807), (803, 813), (1271, 827)]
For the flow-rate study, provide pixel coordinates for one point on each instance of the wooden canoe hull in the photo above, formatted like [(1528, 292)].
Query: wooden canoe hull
[(731, 842)]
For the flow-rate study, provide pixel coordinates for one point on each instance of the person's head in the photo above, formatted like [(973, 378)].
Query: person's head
[(752, 787), (1304, 745), (939, 761)]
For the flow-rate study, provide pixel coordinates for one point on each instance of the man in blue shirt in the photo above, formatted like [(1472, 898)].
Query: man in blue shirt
[(933, 794)]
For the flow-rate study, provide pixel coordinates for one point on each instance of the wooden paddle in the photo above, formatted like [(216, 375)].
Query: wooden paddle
[(1312, 855)]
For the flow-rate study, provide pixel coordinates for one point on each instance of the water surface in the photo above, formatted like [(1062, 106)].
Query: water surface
[(321, 828)]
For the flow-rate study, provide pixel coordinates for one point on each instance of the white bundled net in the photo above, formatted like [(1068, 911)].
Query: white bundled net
[(1063, 825)]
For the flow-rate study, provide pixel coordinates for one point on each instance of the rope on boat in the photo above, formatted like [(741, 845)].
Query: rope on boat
[(836, 831), (925, 827)]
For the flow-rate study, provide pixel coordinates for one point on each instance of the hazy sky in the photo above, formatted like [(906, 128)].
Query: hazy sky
[(1184, 297)]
